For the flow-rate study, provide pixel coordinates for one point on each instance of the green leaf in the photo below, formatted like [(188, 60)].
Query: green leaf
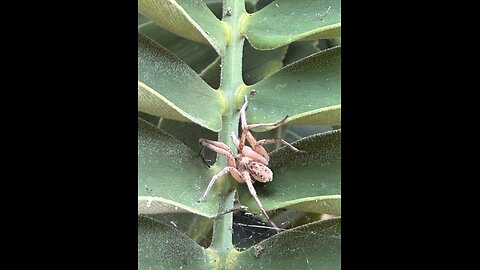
[(260, 64), (168, 88), (141, 19), (300, 49), (324, 205), (198, 228), (296, 132), (171, 177), (163, 247), (310, 180), (196, 55), (291, 218), (151, 119), (189, 19), (335, 42), (308, 91), (285, 21), (312, 246)]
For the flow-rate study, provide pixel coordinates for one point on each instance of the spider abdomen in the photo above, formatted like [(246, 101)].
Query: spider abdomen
[(259, 171)]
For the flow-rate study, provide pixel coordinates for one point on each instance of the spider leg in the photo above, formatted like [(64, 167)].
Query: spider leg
[(235, 140), (246, 135), (243, 118), (257, 147), (249, 182), (276, 124), (281, 141), (221, 149), (215, 143), (249, 152), (234, 172)]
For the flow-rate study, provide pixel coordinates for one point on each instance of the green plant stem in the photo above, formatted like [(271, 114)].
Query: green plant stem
[(231, 80)]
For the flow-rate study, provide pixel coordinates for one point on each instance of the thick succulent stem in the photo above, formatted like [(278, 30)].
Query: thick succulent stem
[(231, 80)]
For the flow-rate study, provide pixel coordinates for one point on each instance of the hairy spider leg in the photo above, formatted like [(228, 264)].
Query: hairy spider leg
[(243, 116), (246, 135), (256, 147), (233, 171), (276, 124), (221, 149), (247, 151), (243, 119), (249, 182)]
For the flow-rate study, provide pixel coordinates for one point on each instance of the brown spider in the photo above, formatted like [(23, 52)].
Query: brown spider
[(250, 162)]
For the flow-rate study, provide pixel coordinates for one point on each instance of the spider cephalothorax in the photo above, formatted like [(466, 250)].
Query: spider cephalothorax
[(251, 162)]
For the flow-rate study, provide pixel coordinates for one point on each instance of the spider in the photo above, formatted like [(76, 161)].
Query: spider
[(258, 250), (251, 163)]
